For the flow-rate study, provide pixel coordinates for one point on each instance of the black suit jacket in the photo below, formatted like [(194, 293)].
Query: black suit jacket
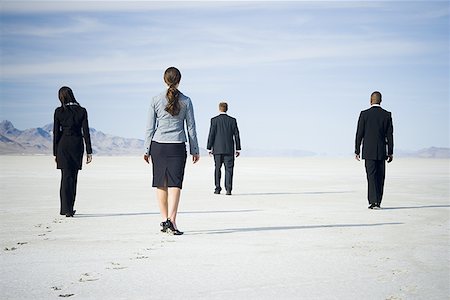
[(223, 135), (375, 131), (69, 127)]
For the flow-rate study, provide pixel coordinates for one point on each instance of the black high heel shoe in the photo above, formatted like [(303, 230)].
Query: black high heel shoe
[(165, 225), (172, 228)]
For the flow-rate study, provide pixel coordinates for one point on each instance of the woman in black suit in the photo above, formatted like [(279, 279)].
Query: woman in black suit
[(69, 127)]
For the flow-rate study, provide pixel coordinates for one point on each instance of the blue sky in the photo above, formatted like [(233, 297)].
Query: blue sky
[(295, 74)]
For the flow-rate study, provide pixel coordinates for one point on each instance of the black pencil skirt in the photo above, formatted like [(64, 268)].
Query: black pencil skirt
[(168, 161)]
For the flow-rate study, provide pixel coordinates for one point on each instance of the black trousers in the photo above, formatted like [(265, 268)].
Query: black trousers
[(68, 190), (228, 161), (375, 170)]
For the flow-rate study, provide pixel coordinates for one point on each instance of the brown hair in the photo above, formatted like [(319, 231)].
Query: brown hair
[(375, 97), (223, 106), (172, 77), (65, 95)]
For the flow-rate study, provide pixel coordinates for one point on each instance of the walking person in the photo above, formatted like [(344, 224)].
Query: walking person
[(70, 127), (224, 143), (165, 139), (375, 131)]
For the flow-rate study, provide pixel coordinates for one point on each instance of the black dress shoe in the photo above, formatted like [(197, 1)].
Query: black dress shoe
[(70, 215), (377, 206), (372, 206), (228, 192), (216, 192)]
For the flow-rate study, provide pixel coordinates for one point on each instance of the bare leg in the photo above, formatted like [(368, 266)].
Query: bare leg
[(174, 199), (162, 196)]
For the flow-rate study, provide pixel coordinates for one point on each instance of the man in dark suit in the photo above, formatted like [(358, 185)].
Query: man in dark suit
[(375, 131), (224, 143)]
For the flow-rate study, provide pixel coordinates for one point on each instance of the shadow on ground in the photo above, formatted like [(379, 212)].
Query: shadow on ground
[(103, 215), (415, 207), (283, 228), (292, 193)]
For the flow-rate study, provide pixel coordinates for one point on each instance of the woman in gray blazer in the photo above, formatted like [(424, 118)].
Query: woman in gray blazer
[(165, 139)]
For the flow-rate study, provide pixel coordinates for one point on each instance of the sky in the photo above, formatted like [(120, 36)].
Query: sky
[(295, 74)]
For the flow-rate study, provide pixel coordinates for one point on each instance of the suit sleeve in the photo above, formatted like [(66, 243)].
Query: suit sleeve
[(86, 133), (56, 133), (237, 138), (192, 132), (390, 136), (212, 135), (359, 134)]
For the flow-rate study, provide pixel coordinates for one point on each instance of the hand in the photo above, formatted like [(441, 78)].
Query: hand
[(389, 158), (88, 158), (146, 158), (210, 153), (238, 153), (195, 158), (357, 157)]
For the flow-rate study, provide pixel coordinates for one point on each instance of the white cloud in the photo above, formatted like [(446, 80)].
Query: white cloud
[(75, 25), (202, 47)]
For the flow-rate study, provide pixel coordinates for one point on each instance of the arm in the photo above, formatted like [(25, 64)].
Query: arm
[(359, 136), (87, 136), (211, 136), (149, 130), (237, 138), (390, 139), (56, 134), (192, 133)]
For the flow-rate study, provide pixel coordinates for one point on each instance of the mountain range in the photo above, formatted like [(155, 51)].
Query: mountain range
[(40, 141)]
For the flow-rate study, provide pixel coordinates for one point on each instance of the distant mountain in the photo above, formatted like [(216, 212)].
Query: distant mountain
[(277, 153), (432, 152), (40, 141)]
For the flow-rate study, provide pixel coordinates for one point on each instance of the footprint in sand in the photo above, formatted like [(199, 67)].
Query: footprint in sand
[(139, 256), (85, 277), (394, 298), (115, 266), (15, 248), (57, 288), (10, 249)]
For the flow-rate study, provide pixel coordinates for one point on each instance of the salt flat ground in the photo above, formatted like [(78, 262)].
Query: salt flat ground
[(293, 229)]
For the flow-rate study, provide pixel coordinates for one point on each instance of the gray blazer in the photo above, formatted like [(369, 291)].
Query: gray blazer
[(164, 128)]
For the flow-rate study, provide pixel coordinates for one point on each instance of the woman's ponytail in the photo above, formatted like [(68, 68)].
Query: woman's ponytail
[(172, 77)]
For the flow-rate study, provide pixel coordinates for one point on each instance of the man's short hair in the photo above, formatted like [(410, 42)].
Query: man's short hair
[(223, 106), (375, 97)]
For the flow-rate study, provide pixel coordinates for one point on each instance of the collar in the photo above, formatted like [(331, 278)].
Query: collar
[(222, 113), (72, 103), (375, 104)]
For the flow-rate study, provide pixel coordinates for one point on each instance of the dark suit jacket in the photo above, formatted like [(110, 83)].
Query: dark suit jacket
[(375, 131), (69, 127), (223, 134)]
